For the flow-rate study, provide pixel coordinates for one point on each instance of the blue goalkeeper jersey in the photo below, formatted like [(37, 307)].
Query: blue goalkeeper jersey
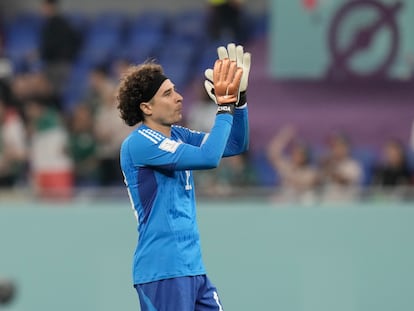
[(159, 179)]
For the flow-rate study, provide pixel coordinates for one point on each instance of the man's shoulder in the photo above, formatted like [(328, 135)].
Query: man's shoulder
[(178, 129), (146, 135), (187, 135)]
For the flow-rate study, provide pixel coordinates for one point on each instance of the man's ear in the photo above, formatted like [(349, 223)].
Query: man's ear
[(146, 108)]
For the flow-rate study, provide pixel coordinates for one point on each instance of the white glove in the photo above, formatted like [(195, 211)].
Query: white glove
[(243, 60)]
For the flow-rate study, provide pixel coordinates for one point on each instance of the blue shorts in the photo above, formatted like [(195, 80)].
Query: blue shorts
[(190, 293)]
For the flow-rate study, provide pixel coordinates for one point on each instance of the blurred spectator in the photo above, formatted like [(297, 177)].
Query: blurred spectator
[(109, 128), (393, 169), (13, 152), (118, 68), (225, 21), (235, 172), (101, 88), (1, 33), (341, 174), (83, 146), (411, 142), (5, 89), (298, 178), (231, 177), (50, 163), (34, 85), (59, 44), (7, 291), (6, 67)]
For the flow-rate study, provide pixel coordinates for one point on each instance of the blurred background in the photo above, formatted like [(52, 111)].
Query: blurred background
[(326, 188)]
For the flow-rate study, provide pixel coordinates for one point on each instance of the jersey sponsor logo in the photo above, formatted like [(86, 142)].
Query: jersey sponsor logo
[(169, 145)]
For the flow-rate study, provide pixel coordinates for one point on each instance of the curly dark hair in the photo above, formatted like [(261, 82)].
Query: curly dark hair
[(132, 88)]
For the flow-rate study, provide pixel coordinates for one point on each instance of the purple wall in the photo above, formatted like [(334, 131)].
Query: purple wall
[(368, 112)]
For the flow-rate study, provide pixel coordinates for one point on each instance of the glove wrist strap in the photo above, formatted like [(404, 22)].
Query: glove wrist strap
[(242, 99), (225, 108)]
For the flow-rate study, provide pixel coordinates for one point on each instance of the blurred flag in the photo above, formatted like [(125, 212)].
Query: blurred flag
[(310, 5)]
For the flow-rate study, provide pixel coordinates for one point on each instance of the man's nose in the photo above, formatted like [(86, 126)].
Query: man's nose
[(179, 97)]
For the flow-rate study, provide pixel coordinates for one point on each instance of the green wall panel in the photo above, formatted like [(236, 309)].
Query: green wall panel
[(260, 257), (299, 37)]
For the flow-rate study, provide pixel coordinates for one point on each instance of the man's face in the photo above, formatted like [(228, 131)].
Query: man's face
[(165, 108)]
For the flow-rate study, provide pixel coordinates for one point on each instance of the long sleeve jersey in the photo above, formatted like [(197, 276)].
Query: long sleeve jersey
[(158, 176)]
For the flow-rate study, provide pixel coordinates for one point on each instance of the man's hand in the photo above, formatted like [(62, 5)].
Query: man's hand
[(243, 60), (227, 77)]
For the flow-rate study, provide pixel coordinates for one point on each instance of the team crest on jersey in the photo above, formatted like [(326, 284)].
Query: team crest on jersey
[(169, 145)]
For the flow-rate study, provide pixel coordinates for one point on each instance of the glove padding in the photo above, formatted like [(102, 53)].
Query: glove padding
[(227, 77), (243, 60)]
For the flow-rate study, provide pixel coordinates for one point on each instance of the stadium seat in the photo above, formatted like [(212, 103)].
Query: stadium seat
[(22, 37), (367, 159), (144, 35), (150, 21), (142, 45), (189, 25), (104, 38), (266, 175), (177, 57), (178, 73), (260, 25), (410, 160), (79, 21), (207, 56), (178, 50), (110, 20), (26, 19), (76, 85), (99, 48)]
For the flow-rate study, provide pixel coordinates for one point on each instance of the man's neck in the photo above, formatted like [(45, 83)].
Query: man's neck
[(164, 129)]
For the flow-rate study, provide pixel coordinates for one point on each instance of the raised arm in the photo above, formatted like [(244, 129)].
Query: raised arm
[(166, 153), (238, 141)]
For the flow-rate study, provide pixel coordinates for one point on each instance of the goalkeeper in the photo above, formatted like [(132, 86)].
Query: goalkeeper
[(157, 160)]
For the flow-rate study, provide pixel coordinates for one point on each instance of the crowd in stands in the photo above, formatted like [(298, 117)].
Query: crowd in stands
[(297, 171), (337, 173), (59, 125), (60, 128)]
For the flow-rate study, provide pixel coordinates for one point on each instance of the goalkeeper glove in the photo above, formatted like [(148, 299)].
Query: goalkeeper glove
[(227, 77), (243, 60)]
